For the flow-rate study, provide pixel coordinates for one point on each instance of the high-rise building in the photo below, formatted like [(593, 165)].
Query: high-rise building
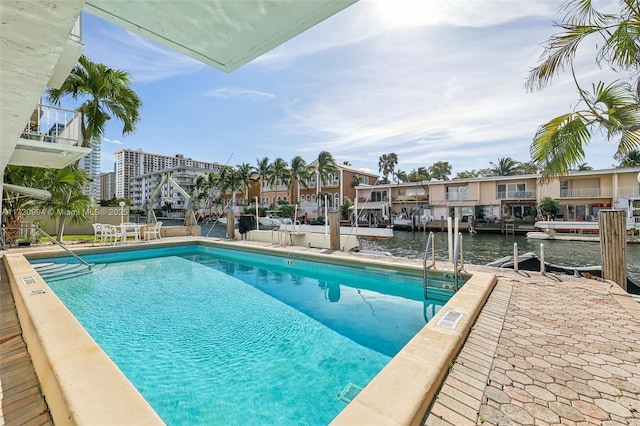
[(91, 163), (130, 163), (108, 186)]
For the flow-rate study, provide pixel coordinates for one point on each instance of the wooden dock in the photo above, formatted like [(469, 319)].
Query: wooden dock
[(21, 400)]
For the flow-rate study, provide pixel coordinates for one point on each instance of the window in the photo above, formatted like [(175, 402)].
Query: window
[(512, 190), (378, 196), (336, 199)]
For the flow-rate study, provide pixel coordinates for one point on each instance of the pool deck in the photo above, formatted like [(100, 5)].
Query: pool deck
[(21, 400), (544, 350)]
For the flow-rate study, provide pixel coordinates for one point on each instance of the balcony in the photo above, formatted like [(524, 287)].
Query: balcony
[(70, 54), (51, 138), (517, 195), (456, 196), (585, 193), (629, 191)]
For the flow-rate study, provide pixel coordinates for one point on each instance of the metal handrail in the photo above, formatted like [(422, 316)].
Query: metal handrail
[(38, 229), (458, 257), (41, 231), (425, 268)]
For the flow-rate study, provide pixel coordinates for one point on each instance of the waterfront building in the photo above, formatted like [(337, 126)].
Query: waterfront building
[(131, 163), (504, 199), (310, 194), (108, 186)]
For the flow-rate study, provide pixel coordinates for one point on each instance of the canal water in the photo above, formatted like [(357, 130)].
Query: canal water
[(480, 249)]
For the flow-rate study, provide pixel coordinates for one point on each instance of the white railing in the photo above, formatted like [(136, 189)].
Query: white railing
[(516, 195), (629, 191), (456, 196), (585, 193), (54, 125)]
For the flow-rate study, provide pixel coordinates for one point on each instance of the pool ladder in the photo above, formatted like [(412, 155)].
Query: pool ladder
[(458, 261)]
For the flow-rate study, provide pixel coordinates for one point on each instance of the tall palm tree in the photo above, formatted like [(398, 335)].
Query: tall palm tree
[(279, 174), (106, 93), (630, 159), (506, 166), (558, 145), (213, 188), (298, 174), (326, 166), (387, 164), (200, 191), (245, 172), (263, 169)]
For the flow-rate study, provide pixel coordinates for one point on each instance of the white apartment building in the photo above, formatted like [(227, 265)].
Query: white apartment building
[(143, 187), (131, 163), (91, 163)]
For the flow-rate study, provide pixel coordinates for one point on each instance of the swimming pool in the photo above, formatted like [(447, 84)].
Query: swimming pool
[(220, 336)]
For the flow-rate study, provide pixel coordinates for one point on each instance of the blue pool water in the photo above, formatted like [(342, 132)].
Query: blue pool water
[(212, 336)]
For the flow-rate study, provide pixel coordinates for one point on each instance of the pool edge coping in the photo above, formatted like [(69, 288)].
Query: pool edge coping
[(406, 405)]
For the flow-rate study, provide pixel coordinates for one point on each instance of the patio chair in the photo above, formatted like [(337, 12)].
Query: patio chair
[(130, 230), (97, 232), (153, 232), (111, 231)]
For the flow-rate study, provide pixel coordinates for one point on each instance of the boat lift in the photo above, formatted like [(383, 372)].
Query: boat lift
[(189, 216)]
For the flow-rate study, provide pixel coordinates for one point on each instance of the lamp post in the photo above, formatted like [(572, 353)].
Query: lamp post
[(122, 204)]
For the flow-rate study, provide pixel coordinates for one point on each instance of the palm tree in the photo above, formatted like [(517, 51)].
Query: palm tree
[(200, 190), (263, 168), (630, 159), (279, 174), (506, 166), (213, 188), (245, 172), (387, 164), (326, 166), (583, 167), (298, 174), (68, 202), (558, 145), (107, 93)]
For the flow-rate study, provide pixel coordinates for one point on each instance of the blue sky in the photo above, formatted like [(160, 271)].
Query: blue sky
[(428, 80)]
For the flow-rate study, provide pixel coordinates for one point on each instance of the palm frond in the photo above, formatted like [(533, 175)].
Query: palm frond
[(558, 144)]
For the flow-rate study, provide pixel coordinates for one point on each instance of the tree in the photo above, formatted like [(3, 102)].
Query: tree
[(440, 170), (279, 174), (326, 166), (630, 159), (107, 92), (558, 145), (506, 166), (548, 206), (245, 172), (527, 168), (13, 203), (583, 167), (263, 169), (298, 174), (387, 164)]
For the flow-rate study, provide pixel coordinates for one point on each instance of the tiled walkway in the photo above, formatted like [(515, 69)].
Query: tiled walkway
[(545, 351)]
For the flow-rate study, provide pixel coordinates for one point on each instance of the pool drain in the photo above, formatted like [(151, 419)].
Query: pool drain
[(349, 392)]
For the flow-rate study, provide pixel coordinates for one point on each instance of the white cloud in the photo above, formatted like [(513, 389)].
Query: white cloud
[(114, 141), (236, 92)]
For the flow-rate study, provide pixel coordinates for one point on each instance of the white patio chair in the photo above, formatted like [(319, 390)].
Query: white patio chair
[(97, 232), (111, 231), (153, 232), (130, 230)]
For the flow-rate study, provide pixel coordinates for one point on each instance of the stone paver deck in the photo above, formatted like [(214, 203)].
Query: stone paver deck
[(547, 350)]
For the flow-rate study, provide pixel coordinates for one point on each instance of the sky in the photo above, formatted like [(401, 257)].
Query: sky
[(429, 80)]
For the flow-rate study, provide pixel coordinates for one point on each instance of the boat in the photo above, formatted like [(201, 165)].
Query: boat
[(364, 232), (273, 220), (574, 231), (531, 262), (401, 221)]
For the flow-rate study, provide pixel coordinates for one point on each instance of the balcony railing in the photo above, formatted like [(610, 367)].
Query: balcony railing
[(629, 191), (585, 193), (54, 125), (456, 196), (516, 195)]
